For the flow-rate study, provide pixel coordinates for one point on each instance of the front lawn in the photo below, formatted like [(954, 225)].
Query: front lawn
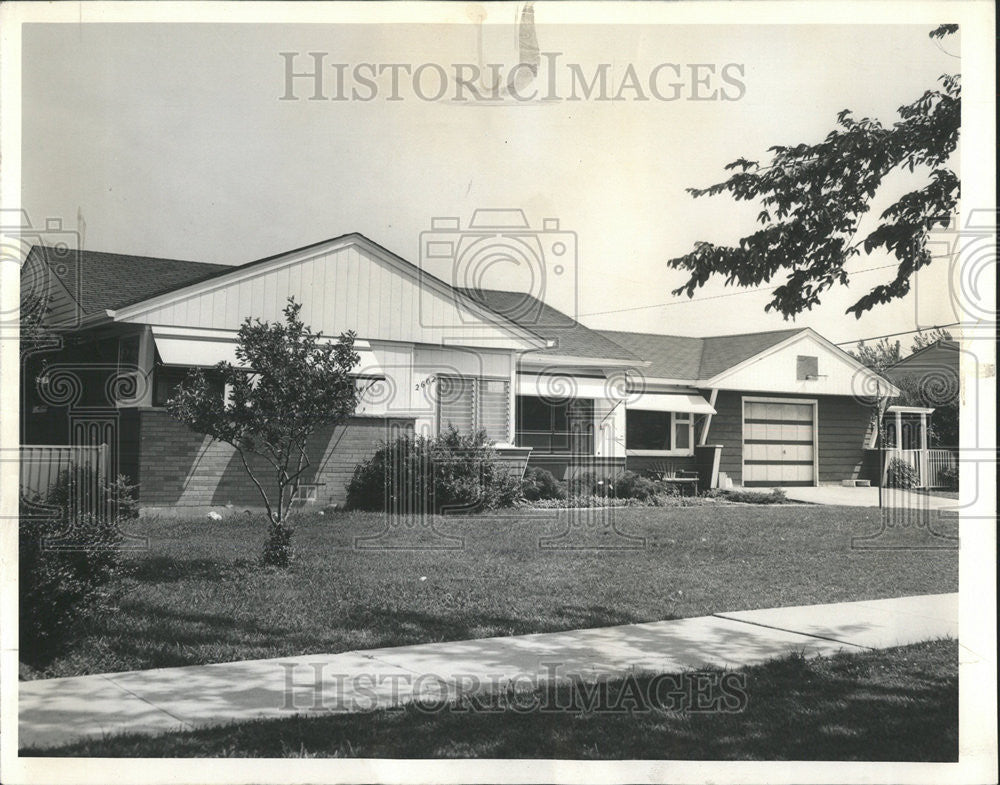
[(197, 595), (894, 705)]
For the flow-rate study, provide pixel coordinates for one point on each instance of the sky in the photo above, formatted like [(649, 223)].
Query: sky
[(172, 140)]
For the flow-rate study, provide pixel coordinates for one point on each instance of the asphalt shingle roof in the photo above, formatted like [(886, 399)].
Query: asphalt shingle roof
[(111, 280), (725, 351), (671, 356), (571, 338), (684, 357)]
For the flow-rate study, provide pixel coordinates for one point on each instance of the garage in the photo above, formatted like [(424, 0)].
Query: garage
[(779, 442)]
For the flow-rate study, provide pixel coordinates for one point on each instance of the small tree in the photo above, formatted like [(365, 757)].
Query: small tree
[(290, 383), (924, 339), (878, 356)]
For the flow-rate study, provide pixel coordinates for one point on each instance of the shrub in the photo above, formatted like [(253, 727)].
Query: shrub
[(629, 485), (773, 496), (70, 567), (539, 483), (413, 475), (901, 474), (585, 483), (79, 489), (948, 477)]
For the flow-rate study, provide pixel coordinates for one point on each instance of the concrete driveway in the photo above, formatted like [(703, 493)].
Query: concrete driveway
[(868, 497)]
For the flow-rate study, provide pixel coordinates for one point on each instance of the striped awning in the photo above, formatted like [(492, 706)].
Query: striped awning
[(207, 348), (670, 402)]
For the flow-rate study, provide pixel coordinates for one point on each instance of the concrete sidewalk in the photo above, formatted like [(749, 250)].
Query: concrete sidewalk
[(892, 498), (57, 711)]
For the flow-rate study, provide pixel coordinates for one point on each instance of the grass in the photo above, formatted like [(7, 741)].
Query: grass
[(946, 494), (894, 705), (197, 595)]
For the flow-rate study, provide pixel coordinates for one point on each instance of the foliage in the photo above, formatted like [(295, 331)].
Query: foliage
[(454, 472), (587, 483), (879, 355), (662, 498), (70, 568), (902, 474), (925, 338), (629, 485), (948, 477), (742, 496), (79, 489), (298, 384), (814, 196), (539, 483), (884, 354), (937, 388)]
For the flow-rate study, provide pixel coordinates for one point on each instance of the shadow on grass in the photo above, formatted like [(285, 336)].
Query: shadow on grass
[(167, 569), (894, 705)]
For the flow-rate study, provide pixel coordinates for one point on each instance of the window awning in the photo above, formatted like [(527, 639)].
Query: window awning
[(561, 387), (204, 350), (670, 402)]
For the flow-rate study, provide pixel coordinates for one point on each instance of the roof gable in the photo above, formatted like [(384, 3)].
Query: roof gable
[(942, 354), (777, 369), (346, 283)]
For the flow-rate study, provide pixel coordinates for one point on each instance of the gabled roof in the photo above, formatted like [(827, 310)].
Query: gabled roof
[(925, 357), (110, 280), (687, 358), (725, 351), (570, 337)]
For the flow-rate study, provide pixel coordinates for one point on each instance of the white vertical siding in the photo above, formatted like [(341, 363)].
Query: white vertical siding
[(342, 288)]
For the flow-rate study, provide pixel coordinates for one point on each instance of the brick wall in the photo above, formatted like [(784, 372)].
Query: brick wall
[(177, 467), (843, 424)]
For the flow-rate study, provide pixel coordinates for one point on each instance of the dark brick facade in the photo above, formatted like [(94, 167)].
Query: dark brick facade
[(178, 468), (843, 425)]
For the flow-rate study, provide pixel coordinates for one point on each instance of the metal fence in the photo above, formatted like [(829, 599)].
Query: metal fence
[(84, 469)]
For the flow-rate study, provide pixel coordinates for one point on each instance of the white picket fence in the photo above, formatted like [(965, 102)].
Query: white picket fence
[(42, 465), (927, 463)]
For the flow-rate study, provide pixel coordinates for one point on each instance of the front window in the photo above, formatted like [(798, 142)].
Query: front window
[(662, 432), (555, 428), (470, 403)]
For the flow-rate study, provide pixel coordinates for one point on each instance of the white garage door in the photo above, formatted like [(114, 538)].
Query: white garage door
[(778, 443)]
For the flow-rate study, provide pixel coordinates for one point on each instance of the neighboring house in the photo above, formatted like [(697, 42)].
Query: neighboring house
[(784, 405), (932, 371), (925, 432)]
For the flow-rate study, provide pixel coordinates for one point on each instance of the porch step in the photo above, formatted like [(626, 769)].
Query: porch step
[(856, 483)]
